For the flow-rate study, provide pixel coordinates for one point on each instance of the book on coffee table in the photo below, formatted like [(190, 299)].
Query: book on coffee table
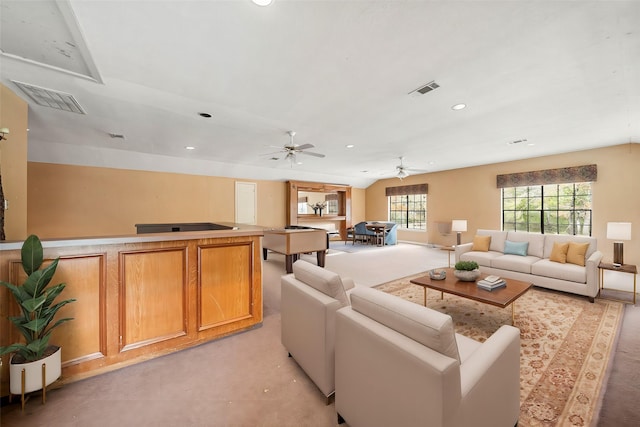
[(489, 286)]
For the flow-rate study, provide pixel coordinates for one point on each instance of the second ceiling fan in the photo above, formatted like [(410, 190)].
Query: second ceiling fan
[(402, 171)]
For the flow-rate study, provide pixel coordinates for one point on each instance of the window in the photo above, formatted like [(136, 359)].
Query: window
[(302, 205), (409, 211), (408, 206), (548, 209)]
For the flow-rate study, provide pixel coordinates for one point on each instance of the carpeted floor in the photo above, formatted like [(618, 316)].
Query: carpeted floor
[(566, 343), (349, 247)]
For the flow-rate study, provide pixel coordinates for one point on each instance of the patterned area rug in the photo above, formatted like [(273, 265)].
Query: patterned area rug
[(566, 342)]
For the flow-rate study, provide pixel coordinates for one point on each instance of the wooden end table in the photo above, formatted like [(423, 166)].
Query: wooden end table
[(500, 297), (624, 268)]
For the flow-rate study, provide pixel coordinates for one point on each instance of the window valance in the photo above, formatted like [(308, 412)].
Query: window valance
[(332, 196), (587, 173), (404, 190), (302, 199)]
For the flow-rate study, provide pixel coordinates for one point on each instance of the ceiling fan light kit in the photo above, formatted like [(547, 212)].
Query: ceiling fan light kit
[(402, 173)]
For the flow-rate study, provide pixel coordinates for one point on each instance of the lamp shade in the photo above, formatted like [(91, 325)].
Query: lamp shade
[(619, 230), (459, 225)]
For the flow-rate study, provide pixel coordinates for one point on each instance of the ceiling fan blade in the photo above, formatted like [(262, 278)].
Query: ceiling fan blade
[(304, 146), (309, 153)]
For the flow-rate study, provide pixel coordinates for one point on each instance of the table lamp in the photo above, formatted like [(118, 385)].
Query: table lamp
[(618, 231), (459, 225)]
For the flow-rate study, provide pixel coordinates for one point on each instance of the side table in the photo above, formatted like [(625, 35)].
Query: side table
[(449, 249), (624, 268)]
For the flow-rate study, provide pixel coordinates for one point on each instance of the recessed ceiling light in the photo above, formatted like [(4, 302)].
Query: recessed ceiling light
[(205, 115), (459, 106), (189, 147), (349, 145), (262, 2)]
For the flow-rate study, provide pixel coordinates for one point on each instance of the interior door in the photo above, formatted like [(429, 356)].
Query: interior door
[(246, 201)]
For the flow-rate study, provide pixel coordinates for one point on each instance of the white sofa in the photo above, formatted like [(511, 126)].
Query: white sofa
[(310, 297), (535, 266), (401, 364)]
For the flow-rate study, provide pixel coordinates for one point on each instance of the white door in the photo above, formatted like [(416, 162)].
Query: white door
[(246, 201)]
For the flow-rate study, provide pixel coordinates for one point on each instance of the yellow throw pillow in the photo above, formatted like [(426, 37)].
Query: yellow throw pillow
[(576, 253), (559, 252), (481, 243)]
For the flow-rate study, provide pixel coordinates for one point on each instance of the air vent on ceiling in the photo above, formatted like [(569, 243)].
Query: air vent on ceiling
[(51, 98), (116, 136), (432, 85)]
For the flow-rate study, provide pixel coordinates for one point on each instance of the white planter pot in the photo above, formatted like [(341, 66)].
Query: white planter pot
[(33, 373)]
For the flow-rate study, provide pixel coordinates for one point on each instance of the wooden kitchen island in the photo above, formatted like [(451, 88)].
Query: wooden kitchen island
[(140, 297)]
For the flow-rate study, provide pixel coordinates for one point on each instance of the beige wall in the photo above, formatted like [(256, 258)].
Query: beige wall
[(358, 205), (13, 162), (78, 201), (471, 194)]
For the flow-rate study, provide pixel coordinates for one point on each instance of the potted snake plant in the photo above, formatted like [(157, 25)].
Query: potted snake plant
[(38, 307)]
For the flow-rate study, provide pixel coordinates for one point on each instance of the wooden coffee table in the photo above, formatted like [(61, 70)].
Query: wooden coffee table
[(500, 297)]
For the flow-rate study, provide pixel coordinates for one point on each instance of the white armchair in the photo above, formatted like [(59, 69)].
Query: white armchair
[(309, 300), (401, 364)]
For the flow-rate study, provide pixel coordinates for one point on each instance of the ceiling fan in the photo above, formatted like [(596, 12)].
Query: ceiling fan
[(292, 149), (402, 171)]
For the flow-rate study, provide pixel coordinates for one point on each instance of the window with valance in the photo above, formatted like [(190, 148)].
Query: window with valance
[(552, 201), (408, 206)]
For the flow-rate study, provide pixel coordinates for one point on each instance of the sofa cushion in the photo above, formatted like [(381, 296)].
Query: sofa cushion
[(482, 258), (497, 239), (517, 263), (535, 240), (515, 248), (325, 281), (576, 253), (555, 270), (424, 325), (559, 252), (550, 239), (481, 243)]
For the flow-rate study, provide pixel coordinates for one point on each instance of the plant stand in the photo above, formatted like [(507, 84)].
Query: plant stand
[(34, 376)]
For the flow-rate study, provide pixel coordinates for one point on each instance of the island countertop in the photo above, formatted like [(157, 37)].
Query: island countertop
[(237, 230)]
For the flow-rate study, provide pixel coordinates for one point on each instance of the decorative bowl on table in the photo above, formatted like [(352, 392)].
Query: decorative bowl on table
[(467, 275), (436, 274)]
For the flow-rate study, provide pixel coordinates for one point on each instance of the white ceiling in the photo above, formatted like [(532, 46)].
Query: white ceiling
[(564, 75)]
